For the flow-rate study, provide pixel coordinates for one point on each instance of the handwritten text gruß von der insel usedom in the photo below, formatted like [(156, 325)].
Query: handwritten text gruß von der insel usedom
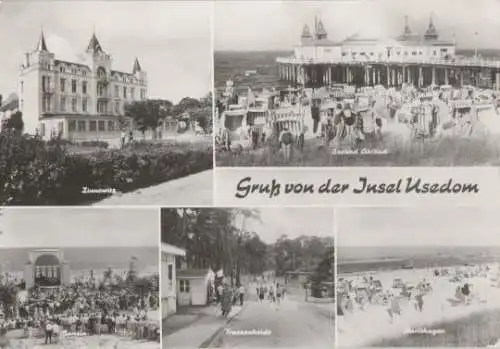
[(409, 185)]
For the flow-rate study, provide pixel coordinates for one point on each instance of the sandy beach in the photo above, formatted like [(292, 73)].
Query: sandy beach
[(371, 325), (94, 342)]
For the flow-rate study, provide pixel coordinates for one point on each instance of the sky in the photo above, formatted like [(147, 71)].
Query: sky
[(79, 227), (277, 25), (293, 222), (172, 40), (453, 226)]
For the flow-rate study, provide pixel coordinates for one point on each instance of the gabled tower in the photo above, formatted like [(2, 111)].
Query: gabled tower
[(40, 55), (320, 30), (138, 72), (36, 85), (306, 34), (431, 32), (96, 58)]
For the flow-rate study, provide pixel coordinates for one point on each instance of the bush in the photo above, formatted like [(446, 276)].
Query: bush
[(33, 172), (96, 144)]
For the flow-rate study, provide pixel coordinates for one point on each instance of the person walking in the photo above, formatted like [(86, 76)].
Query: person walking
[(286, 141), (278, 293), (261, 293), (227, 300), (48, 332), (242, 294)]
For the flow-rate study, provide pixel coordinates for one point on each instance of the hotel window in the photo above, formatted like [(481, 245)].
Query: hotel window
[(73, 86), (61, 69), (414, 53), (63, 84), (117, 91), (22, 87), (74, 71), (102, 107), (124, 93), (420, 53), (101, 124), (42, 129), (117, 107), (45, 104), (434, 53), (132, 93), (82, 126), (143, 94), (92, 125), (60, 127), (44, 83), (84, 105), (84, 87), (84, 73), (184, 286), (73, 104), (63, 103), (72, 125), (170, 272), (101, 90), (111, 125), (344, 53)]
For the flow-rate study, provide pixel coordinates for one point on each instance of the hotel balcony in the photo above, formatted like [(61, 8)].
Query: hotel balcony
[(48, 90), (104, 96)]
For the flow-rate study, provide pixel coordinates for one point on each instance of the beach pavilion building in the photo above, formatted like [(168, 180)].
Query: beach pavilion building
[(361, 60)]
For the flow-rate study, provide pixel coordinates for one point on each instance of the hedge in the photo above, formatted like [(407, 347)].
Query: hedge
[(33, 172)]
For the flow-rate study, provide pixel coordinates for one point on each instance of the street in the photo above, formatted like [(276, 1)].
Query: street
[(195, 189), (293, 323)]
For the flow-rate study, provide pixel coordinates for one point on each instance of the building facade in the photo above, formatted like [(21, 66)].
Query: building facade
[(46, 268), (360, 60), (194, 286), (169, 253), (78, 101)]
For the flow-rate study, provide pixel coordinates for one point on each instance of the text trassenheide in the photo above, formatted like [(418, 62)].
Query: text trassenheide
[(409, 185)]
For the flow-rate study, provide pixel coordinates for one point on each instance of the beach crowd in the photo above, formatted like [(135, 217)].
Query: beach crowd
[(82, 308)]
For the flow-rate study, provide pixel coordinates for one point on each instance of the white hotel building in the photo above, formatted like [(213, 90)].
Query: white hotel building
[(78, 101)]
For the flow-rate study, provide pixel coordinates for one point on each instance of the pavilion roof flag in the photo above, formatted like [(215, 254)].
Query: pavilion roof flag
[(94, 45), (137, 66), (407, 30), (42, 45)]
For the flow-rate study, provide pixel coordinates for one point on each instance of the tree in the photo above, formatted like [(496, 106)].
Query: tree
[(15, 122), (8, 295), (323, 273), (148, 114), (185, 105)]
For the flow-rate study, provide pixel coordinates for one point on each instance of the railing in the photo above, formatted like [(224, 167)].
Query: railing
[(48, 89), (458, 61)]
